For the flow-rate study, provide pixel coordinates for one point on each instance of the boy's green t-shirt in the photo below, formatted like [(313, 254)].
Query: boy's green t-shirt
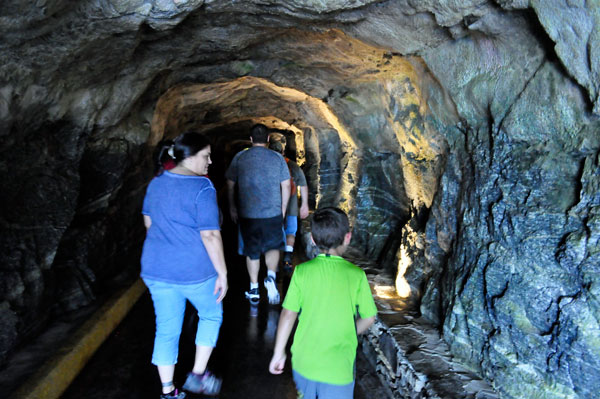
[(329, 293)]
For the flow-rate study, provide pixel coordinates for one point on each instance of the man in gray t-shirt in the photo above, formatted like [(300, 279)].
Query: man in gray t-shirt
[(263, 189)]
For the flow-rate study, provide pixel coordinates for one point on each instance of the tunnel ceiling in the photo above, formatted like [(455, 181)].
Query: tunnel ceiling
[(461, 136), (106, 53)]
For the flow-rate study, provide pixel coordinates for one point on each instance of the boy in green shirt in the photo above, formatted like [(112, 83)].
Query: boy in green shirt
[(333, 303)]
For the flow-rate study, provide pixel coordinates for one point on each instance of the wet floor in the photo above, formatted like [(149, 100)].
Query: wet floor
[(121, 368)]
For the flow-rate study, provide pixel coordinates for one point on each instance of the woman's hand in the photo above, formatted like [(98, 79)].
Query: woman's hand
[(221, 287), (214, 247)]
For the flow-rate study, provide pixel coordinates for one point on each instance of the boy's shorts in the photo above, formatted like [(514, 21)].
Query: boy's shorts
[(261, 235), (291, 225), (309, 389)]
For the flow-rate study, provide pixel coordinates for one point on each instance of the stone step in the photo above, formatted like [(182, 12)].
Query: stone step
[(407, 351)]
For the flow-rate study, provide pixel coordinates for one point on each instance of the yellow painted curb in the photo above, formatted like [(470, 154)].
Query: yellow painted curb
[(53, 378)]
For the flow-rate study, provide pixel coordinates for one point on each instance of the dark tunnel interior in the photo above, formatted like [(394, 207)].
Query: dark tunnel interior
[(460, 137)]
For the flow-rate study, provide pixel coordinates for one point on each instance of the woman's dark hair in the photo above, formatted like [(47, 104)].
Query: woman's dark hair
[(329, 227), (183, 146)]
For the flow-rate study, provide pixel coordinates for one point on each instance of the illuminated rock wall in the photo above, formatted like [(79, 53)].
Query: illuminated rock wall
[(515, 223)]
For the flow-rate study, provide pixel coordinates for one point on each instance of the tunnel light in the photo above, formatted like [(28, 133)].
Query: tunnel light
[(385, 291), (402, 286)]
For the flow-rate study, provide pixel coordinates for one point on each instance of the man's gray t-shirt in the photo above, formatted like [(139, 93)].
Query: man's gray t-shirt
[(258, 173)]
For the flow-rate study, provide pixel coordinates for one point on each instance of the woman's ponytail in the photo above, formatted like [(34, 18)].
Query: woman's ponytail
[(164, 155), (169, 153)]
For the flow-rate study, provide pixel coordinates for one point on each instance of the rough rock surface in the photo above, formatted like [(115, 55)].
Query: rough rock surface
[(462, 136)]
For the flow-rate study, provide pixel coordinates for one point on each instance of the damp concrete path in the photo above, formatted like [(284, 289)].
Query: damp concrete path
[(121, 367)]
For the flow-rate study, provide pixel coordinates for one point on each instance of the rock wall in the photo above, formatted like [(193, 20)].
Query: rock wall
[(461, 136), (517, 289)]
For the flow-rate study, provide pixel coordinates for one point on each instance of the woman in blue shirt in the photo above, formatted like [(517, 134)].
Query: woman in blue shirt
[(183, 260)]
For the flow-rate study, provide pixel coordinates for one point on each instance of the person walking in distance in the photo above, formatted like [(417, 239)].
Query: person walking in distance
[(277, 142), (263, 190)]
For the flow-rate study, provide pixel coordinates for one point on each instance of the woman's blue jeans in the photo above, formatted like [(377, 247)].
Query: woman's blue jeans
[(169, 306)]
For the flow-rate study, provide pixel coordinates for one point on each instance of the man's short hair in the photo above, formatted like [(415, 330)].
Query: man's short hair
[(280, 137), (259, 133), (329, 227), (276, 146)]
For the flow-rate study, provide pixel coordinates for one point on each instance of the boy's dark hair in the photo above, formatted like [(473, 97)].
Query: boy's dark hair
[(328, 227), (259, 133)]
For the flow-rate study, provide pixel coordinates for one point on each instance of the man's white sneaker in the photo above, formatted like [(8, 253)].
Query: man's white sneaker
[(272, 291), (253, 295)]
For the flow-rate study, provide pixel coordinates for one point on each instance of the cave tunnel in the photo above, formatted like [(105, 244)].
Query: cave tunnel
[(462, 140), (318, 141)]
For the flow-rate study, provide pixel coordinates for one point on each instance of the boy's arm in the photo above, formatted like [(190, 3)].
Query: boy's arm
[(363, 325), (366, 306), (284, 329)]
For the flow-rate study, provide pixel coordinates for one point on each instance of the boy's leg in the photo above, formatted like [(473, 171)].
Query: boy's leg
[(307, 389), (329, 391)]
